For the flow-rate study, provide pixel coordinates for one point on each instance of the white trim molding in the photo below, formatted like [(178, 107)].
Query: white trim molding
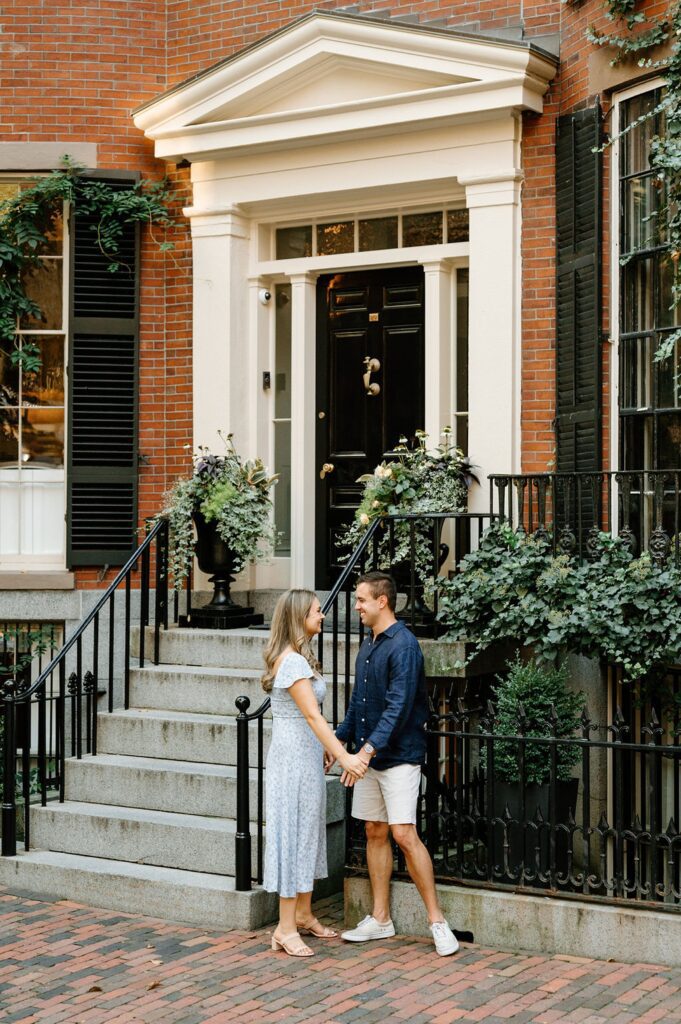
[(338, 115), (326, 76)]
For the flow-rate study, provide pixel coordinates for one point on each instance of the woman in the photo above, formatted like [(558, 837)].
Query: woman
[(295, 852)]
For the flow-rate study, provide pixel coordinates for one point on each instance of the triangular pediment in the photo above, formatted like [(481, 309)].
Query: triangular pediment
[(329, 74), (328, 80)]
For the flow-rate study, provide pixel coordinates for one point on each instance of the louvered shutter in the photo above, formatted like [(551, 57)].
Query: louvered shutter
[(578, 292), (103, 385)]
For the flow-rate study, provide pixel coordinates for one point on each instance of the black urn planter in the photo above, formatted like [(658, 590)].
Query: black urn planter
[(416, 612), (217, 560), (530, 843)]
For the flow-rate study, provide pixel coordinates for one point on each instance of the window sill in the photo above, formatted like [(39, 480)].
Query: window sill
[(37, 580)]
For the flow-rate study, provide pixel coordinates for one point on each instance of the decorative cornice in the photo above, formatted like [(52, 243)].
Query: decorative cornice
[(404, 77)]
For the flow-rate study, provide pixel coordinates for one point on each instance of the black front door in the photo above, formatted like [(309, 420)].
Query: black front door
[(370, 388)]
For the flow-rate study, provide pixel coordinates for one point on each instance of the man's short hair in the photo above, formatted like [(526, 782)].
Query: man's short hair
[(380, 583)]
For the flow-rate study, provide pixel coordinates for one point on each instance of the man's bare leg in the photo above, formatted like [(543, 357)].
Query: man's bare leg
[(380, 865), (420, 868)]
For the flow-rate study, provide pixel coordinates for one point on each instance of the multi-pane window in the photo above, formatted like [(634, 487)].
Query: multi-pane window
[(395, 231), (650, 411), (32, 419)]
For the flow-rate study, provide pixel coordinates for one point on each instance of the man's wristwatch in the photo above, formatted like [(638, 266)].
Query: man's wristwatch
[(368, 749)]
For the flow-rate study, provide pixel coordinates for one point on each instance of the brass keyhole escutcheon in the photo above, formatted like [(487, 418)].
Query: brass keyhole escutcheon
[(372, 365), (327, 468)]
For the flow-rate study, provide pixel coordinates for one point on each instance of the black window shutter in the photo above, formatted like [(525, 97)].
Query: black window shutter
[(578, 292), (103, 390)]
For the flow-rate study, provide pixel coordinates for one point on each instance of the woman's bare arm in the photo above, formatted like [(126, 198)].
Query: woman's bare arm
[(304, 696)]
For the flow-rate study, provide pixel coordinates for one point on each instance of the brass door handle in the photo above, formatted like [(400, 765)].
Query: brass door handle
[(328, 467), (372, 366)]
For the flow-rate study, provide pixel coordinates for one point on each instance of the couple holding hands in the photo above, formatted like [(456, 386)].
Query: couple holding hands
[(386, 721)]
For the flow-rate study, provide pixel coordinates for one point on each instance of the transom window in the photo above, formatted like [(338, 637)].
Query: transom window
[(393, 231), (650, 413), (32, 420)]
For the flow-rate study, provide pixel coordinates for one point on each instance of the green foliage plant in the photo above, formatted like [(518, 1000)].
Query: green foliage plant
[(417, 480), (534, 700), (230, 492), (29, 219), (617, 608), (511, 588)]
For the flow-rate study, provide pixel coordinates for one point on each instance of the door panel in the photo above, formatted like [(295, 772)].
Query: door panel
[(379, 315), (403, 361)]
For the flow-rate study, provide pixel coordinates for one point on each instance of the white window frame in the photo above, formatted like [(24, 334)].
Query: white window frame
[(621, 96), (47, 562)]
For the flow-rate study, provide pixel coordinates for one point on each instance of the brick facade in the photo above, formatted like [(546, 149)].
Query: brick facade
[(75, 71)]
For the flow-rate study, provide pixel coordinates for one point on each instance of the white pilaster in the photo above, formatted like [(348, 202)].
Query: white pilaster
[(438, 348), (303, 398), (220, 331), (259, 358), (494, 328)]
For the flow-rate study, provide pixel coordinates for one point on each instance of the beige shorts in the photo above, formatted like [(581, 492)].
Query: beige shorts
[(390, 795)]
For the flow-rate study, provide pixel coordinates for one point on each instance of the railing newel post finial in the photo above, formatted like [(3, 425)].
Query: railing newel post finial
[(243, 832), (9, 782)]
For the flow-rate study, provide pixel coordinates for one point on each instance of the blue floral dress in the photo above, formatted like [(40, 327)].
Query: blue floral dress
[(295, 789)]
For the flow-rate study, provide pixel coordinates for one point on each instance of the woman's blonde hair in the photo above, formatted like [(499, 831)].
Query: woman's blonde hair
[(288, 630)]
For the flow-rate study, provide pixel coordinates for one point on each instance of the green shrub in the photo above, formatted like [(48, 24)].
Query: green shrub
[(527, 699)]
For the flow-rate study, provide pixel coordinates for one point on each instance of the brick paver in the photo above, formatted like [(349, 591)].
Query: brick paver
[(63, 963)]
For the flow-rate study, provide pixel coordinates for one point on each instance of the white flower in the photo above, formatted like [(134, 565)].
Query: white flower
[(364, 519), (375, 504)]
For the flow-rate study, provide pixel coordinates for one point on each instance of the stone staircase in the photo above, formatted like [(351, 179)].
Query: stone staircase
[(148, 824)]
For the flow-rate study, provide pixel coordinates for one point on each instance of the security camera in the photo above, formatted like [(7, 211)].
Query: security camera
[(264, 295)]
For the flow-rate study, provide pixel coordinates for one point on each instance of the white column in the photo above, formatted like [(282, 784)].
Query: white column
[(303, 414), (438, 348), (220, 241), (494, 350)]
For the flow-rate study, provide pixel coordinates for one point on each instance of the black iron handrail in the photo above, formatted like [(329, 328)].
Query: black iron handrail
[(81, 688)]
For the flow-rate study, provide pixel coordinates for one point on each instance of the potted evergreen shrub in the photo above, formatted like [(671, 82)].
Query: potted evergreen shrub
[(228, 501), (532, 700)]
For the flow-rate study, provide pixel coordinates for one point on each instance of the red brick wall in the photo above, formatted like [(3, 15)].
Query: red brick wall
[(76, 70)]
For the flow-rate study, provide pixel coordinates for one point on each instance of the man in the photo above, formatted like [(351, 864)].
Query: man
[(386, 720)]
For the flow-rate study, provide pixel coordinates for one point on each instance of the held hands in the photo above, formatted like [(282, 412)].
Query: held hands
[(354, 768)]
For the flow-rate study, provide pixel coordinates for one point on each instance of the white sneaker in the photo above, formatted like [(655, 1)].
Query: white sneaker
[(369, 929), (444, 938)]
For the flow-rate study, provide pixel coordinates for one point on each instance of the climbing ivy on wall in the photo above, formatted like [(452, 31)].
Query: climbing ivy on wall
[(29, 219), (638, 33)]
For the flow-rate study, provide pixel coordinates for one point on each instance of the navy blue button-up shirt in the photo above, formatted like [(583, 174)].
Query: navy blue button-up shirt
[(389, 703)]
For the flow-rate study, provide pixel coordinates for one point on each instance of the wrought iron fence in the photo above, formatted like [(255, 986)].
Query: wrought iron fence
[(54, 716), (607, 829), (643, 507)]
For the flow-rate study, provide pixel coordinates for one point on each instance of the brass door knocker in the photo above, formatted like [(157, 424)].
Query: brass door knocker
[(372, 366)]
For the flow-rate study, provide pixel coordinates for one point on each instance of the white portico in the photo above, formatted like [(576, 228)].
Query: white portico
[(332, 124)]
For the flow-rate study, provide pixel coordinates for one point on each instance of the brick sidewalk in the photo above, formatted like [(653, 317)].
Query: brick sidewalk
[(62, 962)]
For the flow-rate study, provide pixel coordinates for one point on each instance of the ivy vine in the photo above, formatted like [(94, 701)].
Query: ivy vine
[(29, 219)]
